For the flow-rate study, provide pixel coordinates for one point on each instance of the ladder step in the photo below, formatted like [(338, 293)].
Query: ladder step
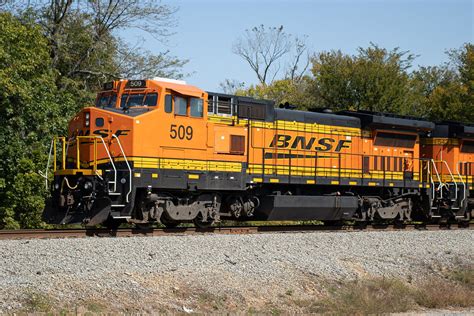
[(114, 193), (121, 217), (117, 205)]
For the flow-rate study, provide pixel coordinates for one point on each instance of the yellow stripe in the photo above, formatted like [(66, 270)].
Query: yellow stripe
[(373, 184), (181, 164), (137, 175), (324, 172), (274, 180), (310, 181), (86, 172), (193, 176), (186, 164), (257, 180), (335, 182), (288, 126), (154, 175), (353, 182), (307, 128)]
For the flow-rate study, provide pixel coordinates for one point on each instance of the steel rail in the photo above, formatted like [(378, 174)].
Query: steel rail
[(147, 232)]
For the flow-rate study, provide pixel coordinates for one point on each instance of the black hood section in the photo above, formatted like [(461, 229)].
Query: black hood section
[(375, 120), (448, 129)]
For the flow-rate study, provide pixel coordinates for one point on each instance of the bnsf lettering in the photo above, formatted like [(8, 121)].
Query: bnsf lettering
[(101, 132), (300, 142)]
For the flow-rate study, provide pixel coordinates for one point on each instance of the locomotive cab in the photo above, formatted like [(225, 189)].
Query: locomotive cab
[(95, 166)]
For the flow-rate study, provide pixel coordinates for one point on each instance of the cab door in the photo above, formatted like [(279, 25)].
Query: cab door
[(183, 139), (185, 124)]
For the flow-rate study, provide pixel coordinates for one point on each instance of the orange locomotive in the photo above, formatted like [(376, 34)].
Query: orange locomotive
[(450, 149), (162, 150)]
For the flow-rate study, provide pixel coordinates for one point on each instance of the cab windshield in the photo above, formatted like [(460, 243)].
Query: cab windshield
[(108, 100), (140, 99)]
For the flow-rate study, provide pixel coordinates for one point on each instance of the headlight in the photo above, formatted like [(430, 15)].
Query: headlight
[(87, 119), (88, 185)]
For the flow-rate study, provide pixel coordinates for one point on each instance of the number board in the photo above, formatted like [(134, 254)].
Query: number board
[(136, 84)]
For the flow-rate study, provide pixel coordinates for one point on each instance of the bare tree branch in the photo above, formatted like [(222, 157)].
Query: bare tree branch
[(301, 54), (262, 49)]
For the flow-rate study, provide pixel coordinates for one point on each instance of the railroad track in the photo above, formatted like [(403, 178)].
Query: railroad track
[(135, 232)]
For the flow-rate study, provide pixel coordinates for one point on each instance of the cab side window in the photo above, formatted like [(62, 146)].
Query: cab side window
[(180, 105), (168, 103), (196, 107)]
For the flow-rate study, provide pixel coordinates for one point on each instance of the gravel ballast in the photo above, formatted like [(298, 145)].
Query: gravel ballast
[(175, 273)]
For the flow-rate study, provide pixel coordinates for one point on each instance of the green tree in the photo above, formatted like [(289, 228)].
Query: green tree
[(54, 55), (282, 91), (85, 46), (30, 113), (447, 92), (375, 79)]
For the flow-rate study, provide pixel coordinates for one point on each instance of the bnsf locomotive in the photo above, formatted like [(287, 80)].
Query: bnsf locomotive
[(163, 151)]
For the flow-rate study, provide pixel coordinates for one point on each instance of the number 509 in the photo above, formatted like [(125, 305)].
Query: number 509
[(181, 132)]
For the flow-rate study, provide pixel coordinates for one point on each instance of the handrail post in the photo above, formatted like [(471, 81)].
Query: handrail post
[(95, 155), (54, 154), (463, 184), (63, 140), (339, 165), (315, 166), (289, 166), (78, 163)]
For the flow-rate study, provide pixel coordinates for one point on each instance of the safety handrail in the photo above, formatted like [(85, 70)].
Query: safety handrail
[(111, 162), (463, 183), (128, 166), (431, 180), (45, 174), (77, 140), (454, 180), (441, 184)]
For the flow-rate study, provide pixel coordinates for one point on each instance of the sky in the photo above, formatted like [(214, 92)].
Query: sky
[(207, 29)]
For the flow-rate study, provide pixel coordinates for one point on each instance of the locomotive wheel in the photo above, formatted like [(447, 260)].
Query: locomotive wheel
[(168, 222), (200, 223)]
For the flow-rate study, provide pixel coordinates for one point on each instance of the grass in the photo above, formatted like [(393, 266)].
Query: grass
[(375, 296), (383, 296), (441, 294), (455, 289), (38, 302), (464, 276)]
